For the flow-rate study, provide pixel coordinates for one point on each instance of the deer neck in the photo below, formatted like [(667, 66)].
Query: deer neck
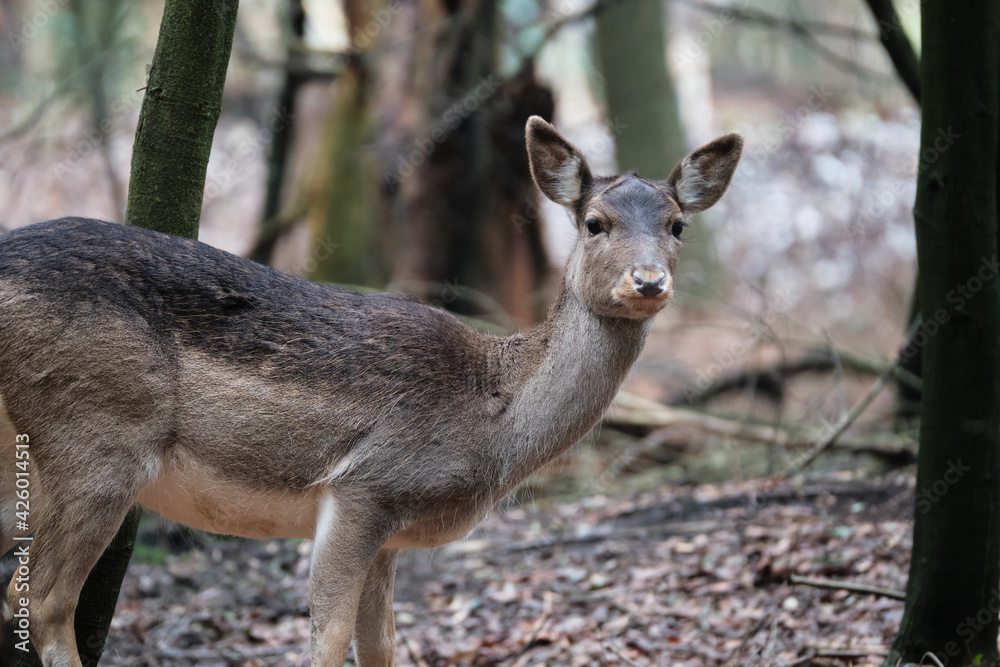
[(576, 362)]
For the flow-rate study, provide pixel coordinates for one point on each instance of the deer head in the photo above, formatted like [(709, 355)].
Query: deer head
[(628, 227)]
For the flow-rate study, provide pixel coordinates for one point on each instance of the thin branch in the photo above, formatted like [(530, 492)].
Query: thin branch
[(835, 585), (897, 45), (805, 31), (297, 62), (609, 646), (665, 422), (277, 227), (769, 378), (774, 21), (844, 424), (856, 411)]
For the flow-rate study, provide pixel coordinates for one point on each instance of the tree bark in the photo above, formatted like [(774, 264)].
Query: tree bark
[(907, 396), (169, 161), (179, 113), (954, 582)]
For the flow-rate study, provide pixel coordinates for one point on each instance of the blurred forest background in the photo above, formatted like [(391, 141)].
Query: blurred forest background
[(380, 144)]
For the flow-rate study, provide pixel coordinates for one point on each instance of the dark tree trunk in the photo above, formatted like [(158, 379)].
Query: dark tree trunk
[(281, 143), (471, 211), (904, 59), (952, 592), (908, 396), (170, 156)]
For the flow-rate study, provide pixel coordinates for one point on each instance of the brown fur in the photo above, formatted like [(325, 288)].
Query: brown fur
[(226, 395)]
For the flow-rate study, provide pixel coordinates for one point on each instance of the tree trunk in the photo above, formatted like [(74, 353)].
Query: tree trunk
[(169, 160), (908, 396), (343, 210), (423, 176), (344, 205), (643, 117), (952, 592), (281, 144), (904, 59), (638, 90), (471, 242), (95, 25), (179, 113)]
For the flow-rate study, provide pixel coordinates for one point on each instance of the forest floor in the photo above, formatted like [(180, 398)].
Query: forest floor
[(678, 576)]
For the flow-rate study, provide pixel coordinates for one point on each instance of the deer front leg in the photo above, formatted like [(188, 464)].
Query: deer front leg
[(348, 539), (375, 628)]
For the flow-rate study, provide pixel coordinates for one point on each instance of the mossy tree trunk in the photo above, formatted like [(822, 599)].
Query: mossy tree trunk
[(954, 582), (344, 208), (179, 113), (638, 89)]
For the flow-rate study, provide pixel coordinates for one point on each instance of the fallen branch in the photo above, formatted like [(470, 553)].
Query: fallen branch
[(833, 584), (665, 422), (414, 652), (770, 379)]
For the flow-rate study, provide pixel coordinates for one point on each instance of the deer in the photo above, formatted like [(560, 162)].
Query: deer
[(138, 368)]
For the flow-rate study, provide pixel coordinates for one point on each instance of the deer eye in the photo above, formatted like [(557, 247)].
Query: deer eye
[(594, 226), (677, 228)]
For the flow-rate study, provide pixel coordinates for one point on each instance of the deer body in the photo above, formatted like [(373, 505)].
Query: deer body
[(237, 399)]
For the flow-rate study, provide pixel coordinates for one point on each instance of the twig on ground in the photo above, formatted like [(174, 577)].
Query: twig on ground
[(414, 652), (751, 633), (521, 654), (609, 646), (850, 652), (833, 584), (233, 654), (810, 654), (932, 657)]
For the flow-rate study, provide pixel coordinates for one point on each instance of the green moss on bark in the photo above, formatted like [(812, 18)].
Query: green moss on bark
[(179, 114)]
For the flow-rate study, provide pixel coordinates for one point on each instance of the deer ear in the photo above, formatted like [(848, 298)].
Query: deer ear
[(703, 176), (558, 168)]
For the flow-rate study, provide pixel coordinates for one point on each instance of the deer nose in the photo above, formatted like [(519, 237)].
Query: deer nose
[(647, 286)]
